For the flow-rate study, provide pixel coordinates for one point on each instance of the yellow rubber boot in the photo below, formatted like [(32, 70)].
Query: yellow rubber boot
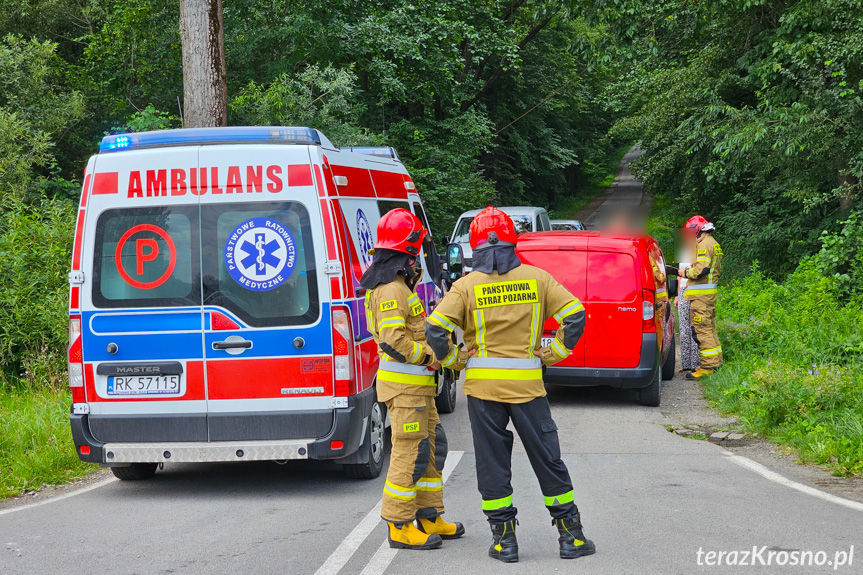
[(409, 537), (699, 373), (441, 527)]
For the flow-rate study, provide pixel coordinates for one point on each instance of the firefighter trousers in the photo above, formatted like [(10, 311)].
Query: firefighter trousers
[(702, 315), (492, 443), (414, 485)]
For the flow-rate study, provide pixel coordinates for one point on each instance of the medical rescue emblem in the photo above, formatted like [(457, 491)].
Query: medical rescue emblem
[(365, 238), (260, 254)]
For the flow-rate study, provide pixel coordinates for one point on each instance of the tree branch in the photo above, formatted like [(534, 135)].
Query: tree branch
[(465, 106)]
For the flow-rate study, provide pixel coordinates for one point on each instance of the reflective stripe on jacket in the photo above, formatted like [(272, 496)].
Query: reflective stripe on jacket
[(396, 317), (703, 275), (502, 317)]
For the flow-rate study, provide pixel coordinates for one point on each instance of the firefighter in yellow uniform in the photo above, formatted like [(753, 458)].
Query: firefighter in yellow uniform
[(406, 384), (701, 290), (502, 306)]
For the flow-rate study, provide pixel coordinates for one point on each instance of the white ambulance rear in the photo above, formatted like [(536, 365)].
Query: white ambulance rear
[(215, 306)]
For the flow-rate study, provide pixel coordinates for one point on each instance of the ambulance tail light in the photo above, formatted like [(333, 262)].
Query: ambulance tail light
[(648, 312), (343, 354), (76, 360)]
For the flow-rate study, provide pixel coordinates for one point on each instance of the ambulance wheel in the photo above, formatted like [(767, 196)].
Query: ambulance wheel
[(652, 394), (668, 366), (445, 400), (135, 472), (375, 444)]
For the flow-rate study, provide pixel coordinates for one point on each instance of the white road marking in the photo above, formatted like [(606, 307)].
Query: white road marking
[(91, 487), (782, 480), (385, 554), (355, 538)]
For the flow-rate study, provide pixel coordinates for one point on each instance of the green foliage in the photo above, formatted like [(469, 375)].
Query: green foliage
[(794, 352), (841, 256), (34, 289), (36, 445), (751, 114), (326, 98), (35, 107)]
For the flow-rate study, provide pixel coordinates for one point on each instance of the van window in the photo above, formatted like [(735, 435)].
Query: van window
[(259, 262), (611, 277), (385, 206), (430, 254), (147, 257), (523, 224)]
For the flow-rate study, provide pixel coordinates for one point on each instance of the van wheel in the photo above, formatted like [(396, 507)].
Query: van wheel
[(135, 472), (652, 394), (375, 443), (669, 364), (445, 401)]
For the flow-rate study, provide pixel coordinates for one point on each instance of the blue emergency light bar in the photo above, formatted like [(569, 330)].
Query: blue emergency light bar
[(381, 152), (211, 136)]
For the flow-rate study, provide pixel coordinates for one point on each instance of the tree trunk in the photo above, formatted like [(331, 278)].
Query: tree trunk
[(205, 89)]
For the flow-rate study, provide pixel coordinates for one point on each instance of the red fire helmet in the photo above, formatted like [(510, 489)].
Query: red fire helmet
[(695, 224), (491, 221), (401, 231)]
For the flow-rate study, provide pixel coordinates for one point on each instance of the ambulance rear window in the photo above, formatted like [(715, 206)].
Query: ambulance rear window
[(147, 257), (259, 262)]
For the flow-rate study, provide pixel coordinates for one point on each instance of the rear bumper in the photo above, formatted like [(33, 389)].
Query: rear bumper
[(348, 426), (629, 378)]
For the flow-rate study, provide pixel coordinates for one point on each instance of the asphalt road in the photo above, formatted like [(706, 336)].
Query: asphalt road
[(626, 191), (650, 500)]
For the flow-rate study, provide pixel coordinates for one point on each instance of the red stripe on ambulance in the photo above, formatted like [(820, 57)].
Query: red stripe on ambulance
[(79, 236), (105, 183)]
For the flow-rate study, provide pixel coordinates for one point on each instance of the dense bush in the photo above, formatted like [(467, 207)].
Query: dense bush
[(35, 248)]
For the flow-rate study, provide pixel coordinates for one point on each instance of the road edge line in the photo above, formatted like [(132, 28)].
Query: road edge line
[(90, 487), (782, 480)]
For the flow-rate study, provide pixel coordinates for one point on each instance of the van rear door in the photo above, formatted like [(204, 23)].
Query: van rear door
[(141, 300), (614, 314), (267, 333)]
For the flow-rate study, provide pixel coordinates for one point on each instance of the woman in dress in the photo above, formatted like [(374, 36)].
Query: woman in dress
[(689, 358)]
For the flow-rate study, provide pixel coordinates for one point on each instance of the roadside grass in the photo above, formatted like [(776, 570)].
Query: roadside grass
[(36, 446), (793, 353), (566, 208), (793, 359)]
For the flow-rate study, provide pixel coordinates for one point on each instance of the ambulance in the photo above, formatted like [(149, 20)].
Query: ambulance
[(215, 309)]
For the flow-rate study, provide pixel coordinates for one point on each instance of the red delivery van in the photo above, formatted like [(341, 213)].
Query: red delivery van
[(628, 339)]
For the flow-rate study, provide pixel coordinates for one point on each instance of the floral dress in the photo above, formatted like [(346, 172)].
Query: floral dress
[(690, 360)]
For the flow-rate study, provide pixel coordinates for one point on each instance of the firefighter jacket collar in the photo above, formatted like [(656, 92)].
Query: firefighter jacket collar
[(501, 258), (386, 266)]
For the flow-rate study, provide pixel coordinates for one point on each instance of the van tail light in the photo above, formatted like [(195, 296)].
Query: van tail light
[(648, 312), (76, 360), (343, 354)]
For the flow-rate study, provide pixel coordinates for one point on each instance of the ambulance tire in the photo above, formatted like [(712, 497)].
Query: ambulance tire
[(445, 401), (652, 394), (375, 443), (669, 363), (135, 472)]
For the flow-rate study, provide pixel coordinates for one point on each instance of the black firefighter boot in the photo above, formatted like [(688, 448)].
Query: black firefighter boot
[(504, 546), (572, 541)]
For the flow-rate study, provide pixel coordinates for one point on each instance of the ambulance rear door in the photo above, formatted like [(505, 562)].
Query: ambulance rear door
[(142, 337), (267, 331)]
